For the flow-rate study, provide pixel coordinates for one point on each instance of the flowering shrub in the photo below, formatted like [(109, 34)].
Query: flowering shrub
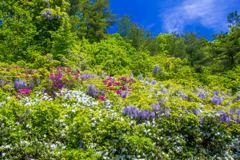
[(121, 86), (25, 90), (217, 100), (148, 119), (63, 76), (137, 113), (19, 83)]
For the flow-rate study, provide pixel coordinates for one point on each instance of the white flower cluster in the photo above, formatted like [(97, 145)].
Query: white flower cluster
[(72, 98), (107, 104), (28, 101), (78, 98)]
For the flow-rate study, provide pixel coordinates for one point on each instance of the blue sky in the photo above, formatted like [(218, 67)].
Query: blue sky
[(205, 17)]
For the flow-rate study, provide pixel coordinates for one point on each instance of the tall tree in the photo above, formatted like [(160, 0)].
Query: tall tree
[(234, 19), (91, 18), (227, 48), (194, 49), (124, 26), (131, 31)]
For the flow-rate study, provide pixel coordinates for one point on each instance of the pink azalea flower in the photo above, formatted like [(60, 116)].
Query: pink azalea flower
[(25, 90), (119, 91), (101, 98)]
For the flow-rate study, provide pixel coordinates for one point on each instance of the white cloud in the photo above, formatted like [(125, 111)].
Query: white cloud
[(209, 13)]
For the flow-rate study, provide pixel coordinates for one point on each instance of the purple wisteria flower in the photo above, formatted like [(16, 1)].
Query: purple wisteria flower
[(221, 112), (237, 111), (166, 112), (154, 82), (131, 111), (49, 12), (184, 96), (87, 76), (19, 83), (124, 94), (202, 120), (92, 91), (156, 107), (237, 98), (216, 93), (225, 118), (48, 3), (217, 100), (31, 85), (49, 15), (155, 70), (162, 101), (237, 120), (232, 111), (202, 95), (2, 82), (164, 90), (196, 111), (137, 113), (145, 114)]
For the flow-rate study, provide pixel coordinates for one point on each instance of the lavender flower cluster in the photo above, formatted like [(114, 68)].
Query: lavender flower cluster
[(49, 16), (155, 70), (137, 113), (237, 98), (229, 117), (2, 82), (93, 91), (225, 117), (217, 100), (87, 76), (182, 95), (19, 83), (202, 95)]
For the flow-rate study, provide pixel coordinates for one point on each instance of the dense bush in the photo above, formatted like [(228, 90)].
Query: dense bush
[(136, 119), (69, 90)]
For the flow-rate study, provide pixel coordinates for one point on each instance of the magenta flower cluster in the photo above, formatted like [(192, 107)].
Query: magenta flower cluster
[(121, 86)]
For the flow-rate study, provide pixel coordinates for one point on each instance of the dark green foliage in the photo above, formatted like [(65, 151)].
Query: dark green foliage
[(234, 19), (132, 32), (31, 29), (91, 18), (226, 49), (172, 45), (194, 49)]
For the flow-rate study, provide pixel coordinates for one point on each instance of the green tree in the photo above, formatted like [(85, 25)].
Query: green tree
[(194, 49), (91, 18), (226, 49), (171, 44), (234, 19), (134, 33), (124, 26), (31, 28)]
